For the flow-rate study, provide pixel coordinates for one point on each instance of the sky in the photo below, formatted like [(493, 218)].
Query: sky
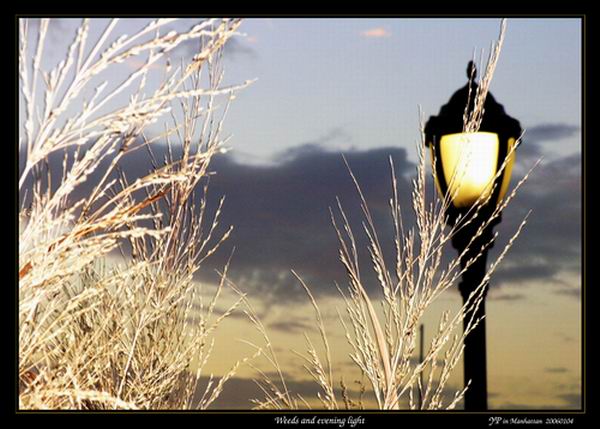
[(358, 82), (354, 86)]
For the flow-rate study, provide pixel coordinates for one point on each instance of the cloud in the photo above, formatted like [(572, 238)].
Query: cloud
[(238, 392), (136, 63), (377, 33), (281, 213), (513, 406), (234, 48), (571, 400), (326, 142), (281, 219), (291, 326), (550, 132), (511, 297), (550, 244), (574, 292), (240, 47), (524, 272), (564, 337), (556, 370)]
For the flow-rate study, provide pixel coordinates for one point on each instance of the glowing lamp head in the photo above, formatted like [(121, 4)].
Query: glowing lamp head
[(470, 164), (472, 167)]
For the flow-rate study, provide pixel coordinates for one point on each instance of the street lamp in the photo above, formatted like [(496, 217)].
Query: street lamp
[(467, 167)]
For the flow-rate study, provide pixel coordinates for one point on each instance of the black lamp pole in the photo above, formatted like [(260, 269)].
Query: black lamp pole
[(475, 355), (450, 121)]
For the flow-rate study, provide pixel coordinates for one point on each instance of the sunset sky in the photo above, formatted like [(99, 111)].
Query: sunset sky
[(354, 86)]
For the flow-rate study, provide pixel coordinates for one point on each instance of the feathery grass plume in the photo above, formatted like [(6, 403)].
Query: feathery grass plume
[(472, 120), (124, 336)]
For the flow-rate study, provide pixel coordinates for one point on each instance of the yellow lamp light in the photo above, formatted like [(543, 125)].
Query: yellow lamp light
[(470, 165)]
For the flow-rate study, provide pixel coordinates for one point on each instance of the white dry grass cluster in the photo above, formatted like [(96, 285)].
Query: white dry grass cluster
[(382, 332), (118, 337)]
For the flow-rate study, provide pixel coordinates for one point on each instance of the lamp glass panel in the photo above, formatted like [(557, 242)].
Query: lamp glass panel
[(470, 162), (435, 177), (508, 169)]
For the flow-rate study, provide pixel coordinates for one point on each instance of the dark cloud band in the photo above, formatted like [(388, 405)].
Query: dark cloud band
[(281, 217)]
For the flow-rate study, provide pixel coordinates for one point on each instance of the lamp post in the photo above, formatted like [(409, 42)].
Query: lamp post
[(467, 167)]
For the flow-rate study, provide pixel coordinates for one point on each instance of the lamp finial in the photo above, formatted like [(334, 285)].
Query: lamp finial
[(471, 70)]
